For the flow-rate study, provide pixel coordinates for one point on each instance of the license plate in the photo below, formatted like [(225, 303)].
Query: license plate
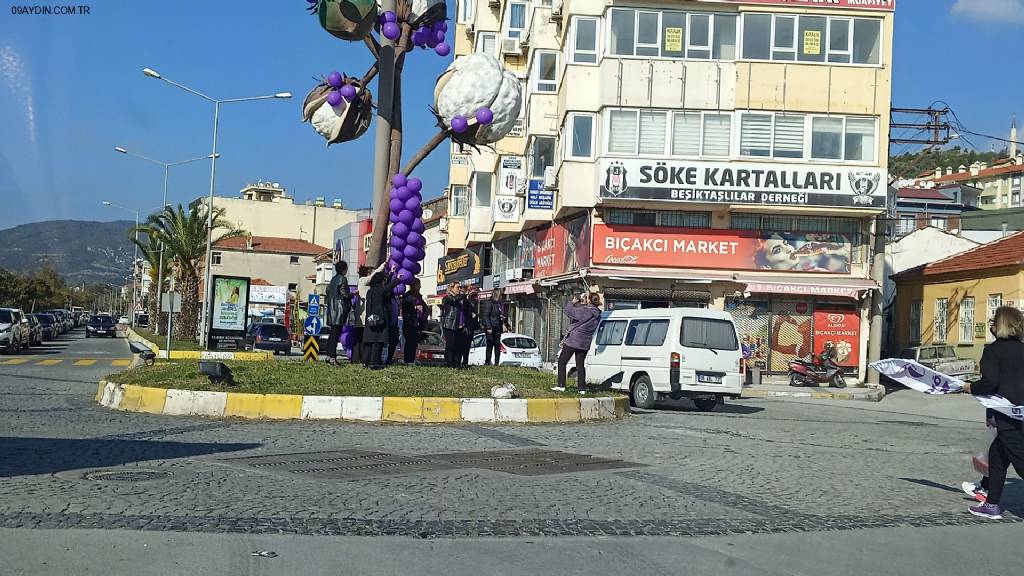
[(101, 331), (709, 378), (273, 339), (522, 354)]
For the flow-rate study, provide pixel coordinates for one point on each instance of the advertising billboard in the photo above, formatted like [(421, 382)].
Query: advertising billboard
[(840, 327), (229, 311), (561, 248)]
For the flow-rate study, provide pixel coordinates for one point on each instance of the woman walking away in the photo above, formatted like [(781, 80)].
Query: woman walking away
[(414, 318), (452, 322), (584, 315), (1002, 373), (362, 289), (378, 313), (339, 307)]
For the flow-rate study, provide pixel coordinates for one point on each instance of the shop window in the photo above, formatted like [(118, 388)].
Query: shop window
[(967, 320), (708, 333), (460, 197), (647, 332), (939, 323), (584, 41), (610, 332), (915, 321), (652, 218)]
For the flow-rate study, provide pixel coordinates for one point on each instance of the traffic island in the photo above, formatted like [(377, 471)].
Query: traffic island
[(191, 350), (317, 391)]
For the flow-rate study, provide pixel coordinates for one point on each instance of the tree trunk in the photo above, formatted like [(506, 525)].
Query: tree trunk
[(186, 323)]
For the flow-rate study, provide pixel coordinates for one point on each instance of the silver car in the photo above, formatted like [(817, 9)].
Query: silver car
[(14, 330)]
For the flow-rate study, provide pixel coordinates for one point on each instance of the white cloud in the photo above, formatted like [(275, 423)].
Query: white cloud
[(990, 10), (12, 72)]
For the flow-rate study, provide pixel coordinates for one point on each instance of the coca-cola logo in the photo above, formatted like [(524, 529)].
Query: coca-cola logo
[(627, 259), (836, 318)]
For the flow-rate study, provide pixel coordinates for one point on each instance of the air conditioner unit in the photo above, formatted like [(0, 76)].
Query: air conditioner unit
[(511, 46), (442, 225), (550, 178)]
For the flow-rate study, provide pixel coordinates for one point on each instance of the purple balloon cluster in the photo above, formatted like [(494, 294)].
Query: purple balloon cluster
[(407, 241), (433, 37), (339, 90)]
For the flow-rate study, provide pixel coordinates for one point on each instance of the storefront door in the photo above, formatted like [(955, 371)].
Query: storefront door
[(790, 336)]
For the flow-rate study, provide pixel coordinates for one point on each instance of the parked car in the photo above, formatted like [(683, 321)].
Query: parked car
[(429, 351), (63, 322), (942, 358), (14, 333), (101, 326), (142, 320), (668, 352), (124, 320), (35, 330), (516, 350), (47, 324), (268, 337)]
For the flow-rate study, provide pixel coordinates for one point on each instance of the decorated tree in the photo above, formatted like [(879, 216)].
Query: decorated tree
[(476, 102)]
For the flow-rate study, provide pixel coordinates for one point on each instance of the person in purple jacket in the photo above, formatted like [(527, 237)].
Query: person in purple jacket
[(584, 315)]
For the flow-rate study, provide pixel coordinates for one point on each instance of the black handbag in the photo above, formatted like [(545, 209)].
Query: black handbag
[(374, 321)]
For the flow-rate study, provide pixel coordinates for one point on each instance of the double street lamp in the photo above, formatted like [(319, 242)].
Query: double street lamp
[(207, 289), (135, 258), (160, 273)]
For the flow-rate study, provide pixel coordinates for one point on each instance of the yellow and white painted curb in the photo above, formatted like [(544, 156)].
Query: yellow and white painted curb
[(199, 354), (172, 402)]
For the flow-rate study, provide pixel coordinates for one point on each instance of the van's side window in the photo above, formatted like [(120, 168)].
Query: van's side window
[(708, 333), (610, 332), (646, 332)]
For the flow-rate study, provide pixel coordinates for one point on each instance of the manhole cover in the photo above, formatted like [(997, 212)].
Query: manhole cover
[(126, 475)]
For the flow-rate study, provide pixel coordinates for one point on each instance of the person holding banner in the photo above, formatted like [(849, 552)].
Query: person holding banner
[(1002, 373)]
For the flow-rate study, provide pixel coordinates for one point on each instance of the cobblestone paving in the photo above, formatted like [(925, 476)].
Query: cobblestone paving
[(760, 467)]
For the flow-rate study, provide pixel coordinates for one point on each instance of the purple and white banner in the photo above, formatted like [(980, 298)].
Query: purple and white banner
[(919, 377)]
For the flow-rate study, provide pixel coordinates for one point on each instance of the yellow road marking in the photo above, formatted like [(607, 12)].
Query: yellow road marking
[(48, 362), (15, 361), (120, 362), (84, 362)]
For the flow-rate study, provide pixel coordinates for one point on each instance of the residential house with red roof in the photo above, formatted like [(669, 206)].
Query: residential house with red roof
[(277, 261)]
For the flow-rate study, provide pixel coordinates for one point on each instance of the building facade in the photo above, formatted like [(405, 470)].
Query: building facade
[(1001, 184), (281, 262), (728, 154), (938, 207)]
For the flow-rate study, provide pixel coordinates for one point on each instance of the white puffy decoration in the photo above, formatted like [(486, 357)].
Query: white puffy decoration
[(477, 81), (418, 8), (327, 119)]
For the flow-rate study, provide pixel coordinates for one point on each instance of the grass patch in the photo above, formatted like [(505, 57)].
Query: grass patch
[(284, 377), (161, 341)]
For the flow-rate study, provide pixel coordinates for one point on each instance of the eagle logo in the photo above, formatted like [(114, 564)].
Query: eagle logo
[(507, 207), (615, 179), (864, 184)]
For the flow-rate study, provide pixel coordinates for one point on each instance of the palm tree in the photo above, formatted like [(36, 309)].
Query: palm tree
[(149, 246), (184, 234)]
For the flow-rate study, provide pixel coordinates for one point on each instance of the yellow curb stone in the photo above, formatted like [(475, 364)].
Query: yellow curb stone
[(567, 409), (402, 409), (541, 410), (244, 405), (99, 391), (152, 400), (132, 398), (442, 410), (282, 406)]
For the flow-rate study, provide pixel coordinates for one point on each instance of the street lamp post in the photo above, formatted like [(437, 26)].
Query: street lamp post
[(135, 258), (160, 273), (207, 289)]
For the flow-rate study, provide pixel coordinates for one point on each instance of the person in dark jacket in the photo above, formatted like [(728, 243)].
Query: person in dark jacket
[(584, 315), (339, 306), (378, 314), (494, 321), (1002, 373), (414, 318), (453, 321), (472, 324)]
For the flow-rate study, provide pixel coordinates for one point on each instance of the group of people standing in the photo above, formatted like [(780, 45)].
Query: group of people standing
[(462, 315), (372, 315)]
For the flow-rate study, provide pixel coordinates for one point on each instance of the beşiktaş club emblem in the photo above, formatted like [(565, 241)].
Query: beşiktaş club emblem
[(507, 207), (864, 183), (615, 179)]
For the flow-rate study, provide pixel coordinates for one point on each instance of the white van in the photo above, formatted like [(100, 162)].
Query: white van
[(676, 352)]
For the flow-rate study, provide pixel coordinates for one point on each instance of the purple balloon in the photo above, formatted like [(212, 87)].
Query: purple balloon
[(410, 252), (439, 36), (431, 42), (417, 226), (404, 275), (397, 205), (405, 192), (459, 124), (406, 217), (393, 218), (419, 245), (348, 92), (414, 185), (398, 180), (420, 255), (390, 16), (334, 98), (484, 115), (443, 49), (335, 79), (393, 194), (395, 260), (401, 229), (412, 203), (413, 238), (407, 264), (390, 30), (419, 211), (399, 290), (415, 268), (398, 243), (444, 25)]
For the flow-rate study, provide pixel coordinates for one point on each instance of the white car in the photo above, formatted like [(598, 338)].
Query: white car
[(516, 350), (124, 321)]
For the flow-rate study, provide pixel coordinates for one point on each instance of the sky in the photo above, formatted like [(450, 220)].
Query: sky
[(72, 88)]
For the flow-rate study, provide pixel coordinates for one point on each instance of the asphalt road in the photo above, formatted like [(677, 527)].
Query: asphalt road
[(764, 487)]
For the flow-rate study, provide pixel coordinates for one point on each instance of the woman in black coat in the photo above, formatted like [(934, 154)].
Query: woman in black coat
[(378, 317), (1002, 373)]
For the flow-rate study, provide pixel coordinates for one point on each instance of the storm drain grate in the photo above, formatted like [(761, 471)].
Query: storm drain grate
[(126, 475), (360, 464)]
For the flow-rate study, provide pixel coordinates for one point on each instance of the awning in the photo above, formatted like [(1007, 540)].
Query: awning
[(677, 274), (519, 288), (840, 287)]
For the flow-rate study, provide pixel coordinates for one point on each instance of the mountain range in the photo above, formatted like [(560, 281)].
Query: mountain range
[(82, 252)]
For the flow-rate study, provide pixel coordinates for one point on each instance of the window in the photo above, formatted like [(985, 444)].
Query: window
[(610, 332), (482, 188), (545, 71), (839, 39), (967, 320), (829, 39), (994, 302), (915, 322), (293, 287), (757, 36), (867, 41), (811, 38), (784, 40), (826, 138), (672, 34), (698, 44), (460, 197), (215, 258), (906, 225), (938, 222), (623, 32), (860, 139), (789, 136), (701, 134), (516, 21), (542, 155), (724, 47), (487, 42), (686, 134), (584, 41), (293, 260), (756, 135), (939, 324), (544, 3), (633, 131), (717, 135), (708, 333), (646, 332), (648, 33), (581, 136), (660, 218), (467, 9), (653, 131), (622, 131)]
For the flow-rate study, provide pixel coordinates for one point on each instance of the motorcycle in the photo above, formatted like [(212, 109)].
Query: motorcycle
[(820, 369)]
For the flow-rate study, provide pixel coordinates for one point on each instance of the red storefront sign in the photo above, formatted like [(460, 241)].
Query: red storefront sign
[(882, 5), (841, 328), (721, 249)]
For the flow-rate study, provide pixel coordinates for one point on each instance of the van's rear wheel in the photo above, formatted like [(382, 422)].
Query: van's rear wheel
[(705, 404), (643, 392)]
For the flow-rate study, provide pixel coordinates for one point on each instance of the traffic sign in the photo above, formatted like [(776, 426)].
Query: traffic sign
[(314, 305), (311, 349), (313, 325)]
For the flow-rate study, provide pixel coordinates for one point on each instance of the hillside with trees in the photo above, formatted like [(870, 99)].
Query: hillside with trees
[(916, 164)]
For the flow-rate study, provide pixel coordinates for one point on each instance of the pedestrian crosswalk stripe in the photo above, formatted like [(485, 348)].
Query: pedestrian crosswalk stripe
[(15, 361), (84, 362), (50, 362), (120, 363)]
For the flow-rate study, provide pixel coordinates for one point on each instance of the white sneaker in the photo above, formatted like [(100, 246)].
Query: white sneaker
[(558, 388), (970, 488)]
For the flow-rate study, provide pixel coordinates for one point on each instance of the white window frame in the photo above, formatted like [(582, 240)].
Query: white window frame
[(994, 302), (574, 26), (479, 44), (518, 32), (826, 40), (966, 317), (713, 22), (459, 200), (939, 320), (689, 27), (216, 258), (636, 32), (607, 127), (849, 41), (467, 11), (533, 153), (535, 80), (474, 183), (569, 135), (787, 49)]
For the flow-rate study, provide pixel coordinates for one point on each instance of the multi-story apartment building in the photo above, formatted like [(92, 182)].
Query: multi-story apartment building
[(715, 153)]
